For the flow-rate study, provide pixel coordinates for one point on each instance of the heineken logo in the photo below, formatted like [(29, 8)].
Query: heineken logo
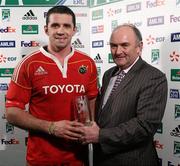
[(29, 29)]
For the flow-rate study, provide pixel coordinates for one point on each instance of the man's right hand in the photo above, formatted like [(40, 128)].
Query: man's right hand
[(67, 129)]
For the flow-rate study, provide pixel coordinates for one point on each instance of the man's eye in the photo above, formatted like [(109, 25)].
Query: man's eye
[(113, 45), (55, 25), (67, 25)]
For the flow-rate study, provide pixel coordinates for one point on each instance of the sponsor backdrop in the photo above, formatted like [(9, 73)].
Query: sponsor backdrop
[(159, 22), (21, 32)]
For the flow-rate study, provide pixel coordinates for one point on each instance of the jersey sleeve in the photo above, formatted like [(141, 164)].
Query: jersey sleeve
[(93, 85), (19, 90)]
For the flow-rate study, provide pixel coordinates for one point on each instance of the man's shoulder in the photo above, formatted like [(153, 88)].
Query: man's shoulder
[(152, 69), (31, 55), (111, 71), (28, 59), (82, 55)]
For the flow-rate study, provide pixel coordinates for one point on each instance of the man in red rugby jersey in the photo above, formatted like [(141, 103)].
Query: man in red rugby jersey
[(48, 80)]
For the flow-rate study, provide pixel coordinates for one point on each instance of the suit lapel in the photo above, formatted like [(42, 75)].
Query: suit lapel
[(128, 77), (106, 83), (104, 115)]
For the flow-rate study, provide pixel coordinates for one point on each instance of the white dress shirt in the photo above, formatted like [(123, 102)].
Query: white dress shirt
[(112, 81)]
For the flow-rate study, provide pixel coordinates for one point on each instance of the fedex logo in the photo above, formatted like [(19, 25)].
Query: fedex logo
[(150, 4), (9, 142), (29, 44), (7, 30), (174, 18)]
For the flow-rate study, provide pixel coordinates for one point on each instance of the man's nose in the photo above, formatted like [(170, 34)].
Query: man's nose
[(60, 29), (119, 49)]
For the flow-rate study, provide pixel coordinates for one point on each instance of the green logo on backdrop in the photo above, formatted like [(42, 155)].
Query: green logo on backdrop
[(155, 56), (110, 59), (177, 111), (97, 14), (175, 74), (28, 2), (43, 2), (29, 29), (101, 2), (160, 129), (6, 14), (114, 24), (6, 72), (176, 148)]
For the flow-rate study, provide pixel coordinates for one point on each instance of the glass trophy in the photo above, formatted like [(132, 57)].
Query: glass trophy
[(82, 111)]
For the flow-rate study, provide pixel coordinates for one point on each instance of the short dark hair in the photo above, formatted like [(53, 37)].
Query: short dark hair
[(61, 10)]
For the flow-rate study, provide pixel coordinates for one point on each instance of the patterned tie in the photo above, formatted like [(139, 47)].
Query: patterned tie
[(119, 78)]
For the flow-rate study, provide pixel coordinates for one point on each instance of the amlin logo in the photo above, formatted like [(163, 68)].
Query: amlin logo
[(3, 86), (175, 37), (159, 20), (174, 94), (175, 74), (7, 43), (30, 29), (97, 43), (133, 7)]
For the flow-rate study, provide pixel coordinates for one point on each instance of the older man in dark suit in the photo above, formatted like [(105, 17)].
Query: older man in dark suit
[(129, 110)]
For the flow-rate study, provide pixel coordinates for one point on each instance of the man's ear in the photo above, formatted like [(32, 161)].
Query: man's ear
[(140, 47), (46, 29), (75, 30)]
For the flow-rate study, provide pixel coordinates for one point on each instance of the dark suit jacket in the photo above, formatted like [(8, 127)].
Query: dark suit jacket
[(130, 118)]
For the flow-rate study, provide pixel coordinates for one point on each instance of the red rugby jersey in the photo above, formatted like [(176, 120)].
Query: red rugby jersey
[(40, 80)]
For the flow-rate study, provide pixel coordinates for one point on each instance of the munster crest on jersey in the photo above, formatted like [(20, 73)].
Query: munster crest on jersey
[(83, 69)]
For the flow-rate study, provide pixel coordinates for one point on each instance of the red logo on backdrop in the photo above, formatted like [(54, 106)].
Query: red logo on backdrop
[(174, 56), (2, 58), (158, 145), (150, 40)]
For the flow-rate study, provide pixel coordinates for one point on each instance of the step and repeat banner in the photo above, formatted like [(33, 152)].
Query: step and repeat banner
[(31, 3), (159, 22), (22, 32)]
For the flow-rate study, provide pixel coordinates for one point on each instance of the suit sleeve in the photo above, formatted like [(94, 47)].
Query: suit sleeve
[(149, 111)]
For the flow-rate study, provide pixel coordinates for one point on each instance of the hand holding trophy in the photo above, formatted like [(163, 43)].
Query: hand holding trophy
[(82, 113)]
